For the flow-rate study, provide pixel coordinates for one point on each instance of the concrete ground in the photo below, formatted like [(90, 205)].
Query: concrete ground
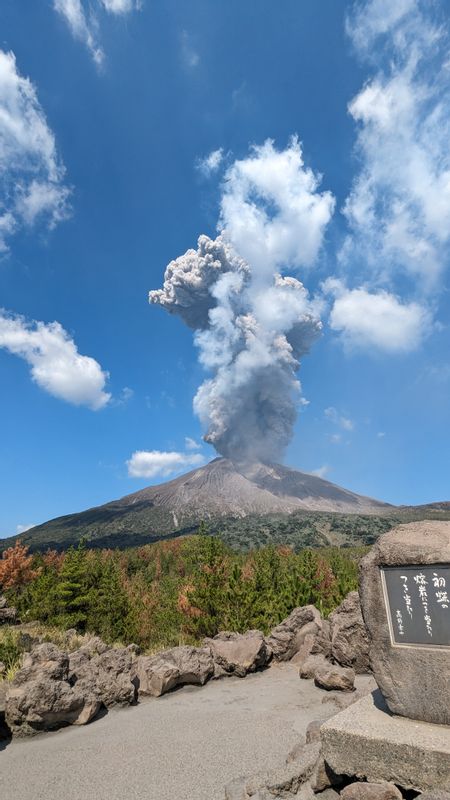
[(184, 746)]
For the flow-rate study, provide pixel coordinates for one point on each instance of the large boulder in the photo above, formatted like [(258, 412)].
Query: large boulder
[(156, 675), (303, 625), (238, 654), (41, 698), (349, 637), (105, 674)]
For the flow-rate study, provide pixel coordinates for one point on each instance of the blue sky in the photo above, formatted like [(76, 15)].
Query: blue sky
[(107, 115)]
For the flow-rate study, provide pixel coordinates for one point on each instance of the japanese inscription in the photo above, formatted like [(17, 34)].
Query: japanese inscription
[(418, 604)]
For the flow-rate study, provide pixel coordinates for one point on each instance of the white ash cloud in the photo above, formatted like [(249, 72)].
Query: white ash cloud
[(252, 324)]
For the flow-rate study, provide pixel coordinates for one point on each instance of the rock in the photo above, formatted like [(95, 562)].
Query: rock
[(371, 791), (367, 742), (106, 675), (343, 699), (238, 654), (349, 636), (313, 731), (235, 790), (4, 730), (334, 678), (291, 777), (311, 665), (415, 681), (2, 668), (435, 795), (288, 637), (180, 665)]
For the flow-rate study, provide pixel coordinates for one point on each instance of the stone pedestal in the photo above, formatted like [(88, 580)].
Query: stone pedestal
[(367, 742)]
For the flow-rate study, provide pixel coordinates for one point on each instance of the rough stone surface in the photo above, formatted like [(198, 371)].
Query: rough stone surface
[(312, 664), (368, 743), (41, 698), (437, 795), (371, 791), (237, 654), (349, 636), (415, 681), (180, 665), (334, 678), (288, 637), (313, 731), (106, 675), (2, 668), (7, 615)]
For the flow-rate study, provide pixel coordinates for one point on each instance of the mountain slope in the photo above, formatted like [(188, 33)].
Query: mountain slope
[(218, 491)]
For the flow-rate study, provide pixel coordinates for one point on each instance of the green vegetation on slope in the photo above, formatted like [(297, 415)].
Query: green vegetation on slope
[(174, 591)]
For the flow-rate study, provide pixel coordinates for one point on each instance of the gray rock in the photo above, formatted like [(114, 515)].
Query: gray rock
[(349, 636), (180, 665), (435, 795), (367, 742), (313, 731), (237, 654), (288, 637), (334, 677), (343, 700), (371, 791), (414, 680), (324, 777), (41, 698), (313, 663), (105, 675), (2, 668)]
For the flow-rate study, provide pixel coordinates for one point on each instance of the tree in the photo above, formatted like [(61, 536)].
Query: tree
[(16, 568), (72, 592)]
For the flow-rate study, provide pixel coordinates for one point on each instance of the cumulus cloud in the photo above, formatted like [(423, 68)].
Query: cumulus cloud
[(157, 463), (253, 325), (398, 209), (55, 363), (378, 320), (271, 208), (32, 174), (210, 163)]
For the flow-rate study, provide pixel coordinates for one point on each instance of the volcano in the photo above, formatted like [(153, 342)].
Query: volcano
[(220, 490)]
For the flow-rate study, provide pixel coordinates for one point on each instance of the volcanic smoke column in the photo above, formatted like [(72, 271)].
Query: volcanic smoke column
[(252, 325)]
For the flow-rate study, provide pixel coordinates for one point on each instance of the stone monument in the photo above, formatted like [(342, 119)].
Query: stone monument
[(405, 600)]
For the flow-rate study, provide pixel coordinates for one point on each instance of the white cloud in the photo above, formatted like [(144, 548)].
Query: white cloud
[(271, 209), (23, 528), (377, 320), (210, 163), (189, 54), (121, 6), (56, 365), (32, 175), (399, 205), (152, 463), (321, 472), (335, 438), (381, 434), (191, 444), (338, 419), (82, 26)]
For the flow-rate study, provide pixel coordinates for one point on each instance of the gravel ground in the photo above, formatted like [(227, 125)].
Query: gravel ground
[(184, 746)]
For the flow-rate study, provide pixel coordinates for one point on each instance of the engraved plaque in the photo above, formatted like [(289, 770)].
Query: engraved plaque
[(418, 604)]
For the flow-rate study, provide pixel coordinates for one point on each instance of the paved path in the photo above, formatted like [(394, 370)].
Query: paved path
[(184, 746)]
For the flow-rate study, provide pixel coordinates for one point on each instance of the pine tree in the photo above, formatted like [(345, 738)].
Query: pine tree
[(73, 591)]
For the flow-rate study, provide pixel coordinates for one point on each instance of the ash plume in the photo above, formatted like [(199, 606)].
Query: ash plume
[(252, 324)]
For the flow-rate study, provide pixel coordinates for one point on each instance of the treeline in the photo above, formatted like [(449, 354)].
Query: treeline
[(173, 591)]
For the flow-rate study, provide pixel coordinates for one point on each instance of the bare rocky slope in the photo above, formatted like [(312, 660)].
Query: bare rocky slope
[(220, 493)]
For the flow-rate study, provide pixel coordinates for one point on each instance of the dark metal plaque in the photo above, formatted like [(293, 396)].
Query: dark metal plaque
[(418, 604)]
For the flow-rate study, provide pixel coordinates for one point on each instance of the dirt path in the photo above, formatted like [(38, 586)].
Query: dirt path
[(184, 746)]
